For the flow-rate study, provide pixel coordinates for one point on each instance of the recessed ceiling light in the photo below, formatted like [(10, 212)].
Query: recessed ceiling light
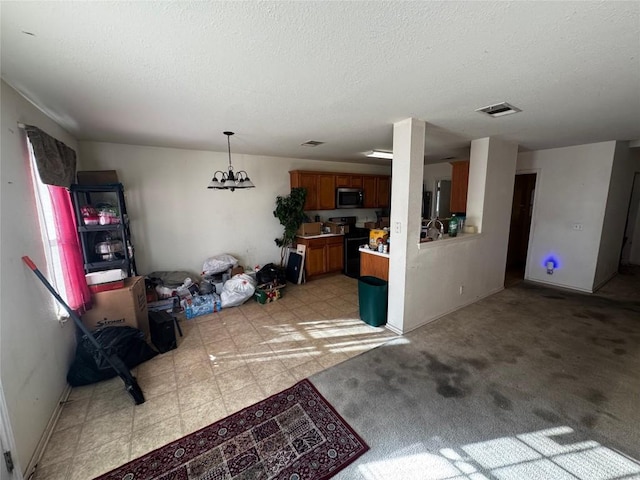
[(380, 154), (311, 143), (499, 109)]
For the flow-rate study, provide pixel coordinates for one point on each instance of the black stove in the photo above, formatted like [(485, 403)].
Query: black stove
[(353, 240)]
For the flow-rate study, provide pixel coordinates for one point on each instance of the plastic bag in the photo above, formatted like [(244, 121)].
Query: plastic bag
[(218, 264), (237, 290)]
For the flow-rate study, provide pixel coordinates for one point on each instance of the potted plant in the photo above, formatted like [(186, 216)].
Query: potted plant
[(290, 211)]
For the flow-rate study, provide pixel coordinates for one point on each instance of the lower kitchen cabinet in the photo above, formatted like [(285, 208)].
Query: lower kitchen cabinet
[(323, 255)]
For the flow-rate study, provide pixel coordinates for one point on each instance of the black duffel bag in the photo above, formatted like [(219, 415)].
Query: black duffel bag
[(89, 366), (271, 273)]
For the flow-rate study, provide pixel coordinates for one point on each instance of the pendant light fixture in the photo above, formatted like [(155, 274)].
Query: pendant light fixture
[(230, 180)]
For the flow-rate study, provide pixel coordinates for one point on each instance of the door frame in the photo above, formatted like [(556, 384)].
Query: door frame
[(536, 190), (7, 442)]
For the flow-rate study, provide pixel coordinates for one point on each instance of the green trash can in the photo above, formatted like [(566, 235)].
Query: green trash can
[(372, 297)]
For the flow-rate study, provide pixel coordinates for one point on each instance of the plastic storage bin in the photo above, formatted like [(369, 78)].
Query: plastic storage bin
[(372, 297)]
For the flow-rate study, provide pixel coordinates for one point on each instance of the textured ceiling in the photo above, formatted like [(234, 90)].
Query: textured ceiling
[(281, 73)]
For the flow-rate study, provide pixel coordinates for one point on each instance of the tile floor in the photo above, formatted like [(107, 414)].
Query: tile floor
[(225, 362)]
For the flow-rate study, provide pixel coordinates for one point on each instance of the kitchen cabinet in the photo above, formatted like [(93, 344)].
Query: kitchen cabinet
[(321, 188), (383, 192), (348, 180), (114, 232), (370, 192), (372, 265), (377, 191), (459, 186), (308, 181), (343, 180), (326, 192), (323, 255)]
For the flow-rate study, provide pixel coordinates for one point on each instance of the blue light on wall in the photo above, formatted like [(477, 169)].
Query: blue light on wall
[(551, 263)]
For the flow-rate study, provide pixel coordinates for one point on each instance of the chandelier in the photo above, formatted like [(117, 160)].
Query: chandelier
[(230, 180)]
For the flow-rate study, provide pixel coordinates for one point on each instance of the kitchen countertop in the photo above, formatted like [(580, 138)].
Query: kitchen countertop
[(322, 235), (374, 252)]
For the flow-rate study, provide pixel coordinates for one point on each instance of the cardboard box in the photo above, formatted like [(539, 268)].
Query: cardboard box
[(123, 307), (370, 225), (338, 228), (376, 236), (311, 228), (97, 177), (383, 222), (105, 287), (237, 270), (267, 293)]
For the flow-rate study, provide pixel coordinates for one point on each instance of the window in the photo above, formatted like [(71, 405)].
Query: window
[(49, 234)]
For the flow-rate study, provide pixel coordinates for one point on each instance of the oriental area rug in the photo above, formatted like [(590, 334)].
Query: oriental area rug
[(293, 435)]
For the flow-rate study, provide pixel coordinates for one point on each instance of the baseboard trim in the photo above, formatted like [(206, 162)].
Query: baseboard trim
[(559, 285), (46, 435), (466, 304)]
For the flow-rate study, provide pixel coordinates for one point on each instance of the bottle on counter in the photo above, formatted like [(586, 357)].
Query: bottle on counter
[(453, 226)]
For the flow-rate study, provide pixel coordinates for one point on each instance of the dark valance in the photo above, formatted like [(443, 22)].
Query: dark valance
[(56, 162)]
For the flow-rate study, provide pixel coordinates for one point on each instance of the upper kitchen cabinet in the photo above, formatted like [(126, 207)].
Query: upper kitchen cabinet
[(347, 180), (370, 191), (321, 188), (308, 181), (384, 192), (326, 191), (377, 191), (459, 185)]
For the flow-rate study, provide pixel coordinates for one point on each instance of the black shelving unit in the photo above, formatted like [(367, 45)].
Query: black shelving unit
[(91, 235)]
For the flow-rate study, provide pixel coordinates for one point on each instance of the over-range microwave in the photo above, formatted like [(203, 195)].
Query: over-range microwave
[(349, 198)]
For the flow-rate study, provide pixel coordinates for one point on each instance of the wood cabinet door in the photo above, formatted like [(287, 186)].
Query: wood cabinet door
[(343, 180), (310, 182), (356, 181), (384, 192), (315, 262), (335, 254), (374, 266), (370, 191), (459, 186), (326, 192)]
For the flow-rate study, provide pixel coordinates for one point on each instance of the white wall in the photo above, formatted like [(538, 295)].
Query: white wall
[(35, 350), (571, 188), (436, 271), (177, 222), (615, 216)]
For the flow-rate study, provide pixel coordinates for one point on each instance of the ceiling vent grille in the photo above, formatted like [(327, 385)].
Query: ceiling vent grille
[(499, 109), (311, 143)]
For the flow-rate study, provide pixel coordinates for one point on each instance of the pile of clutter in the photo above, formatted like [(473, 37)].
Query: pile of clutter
[(223, 284)]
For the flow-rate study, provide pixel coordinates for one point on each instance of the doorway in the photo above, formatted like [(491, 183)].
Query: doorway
[(521, 214)]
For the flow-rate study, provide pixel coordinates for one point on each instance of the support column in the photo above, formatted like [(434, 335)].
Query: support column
[(406, 207)]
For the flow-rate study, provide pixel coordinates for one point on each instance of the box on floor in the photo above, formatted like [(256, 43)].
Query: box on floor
[(122, 307)]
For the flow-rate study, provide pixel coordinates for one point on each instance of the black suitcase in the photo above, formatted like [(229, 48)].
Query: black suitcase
[(163, 333)]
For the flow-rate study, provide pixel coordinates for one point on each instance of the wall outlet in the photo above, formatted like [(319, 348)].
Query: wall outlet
[(397, 227), (461, 289), (577, 226)]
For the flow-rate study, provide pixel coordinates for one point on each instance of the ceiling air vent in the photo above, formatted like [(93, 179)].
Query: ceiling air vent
[(311, 143), (499, 109)]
